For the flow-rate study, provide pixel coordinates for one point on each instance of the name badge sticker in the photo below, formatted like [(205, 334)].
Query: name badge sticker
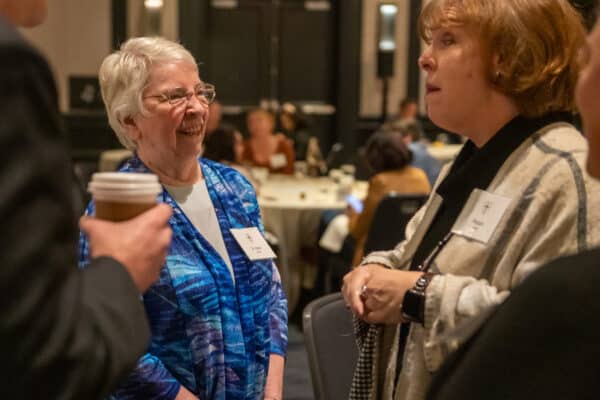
[(253, 243), (481, 215)]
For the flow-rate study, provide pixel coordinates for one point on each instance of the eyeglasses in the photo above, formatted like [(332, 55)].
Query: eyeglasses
[(176, 97)]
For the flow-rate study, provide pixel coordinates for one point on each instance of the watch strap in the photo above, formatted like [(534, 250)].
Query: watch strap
[(413, 304)]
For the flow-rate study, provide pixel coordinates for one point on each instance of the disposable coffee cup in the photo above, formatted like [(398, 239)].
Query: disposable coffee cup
[(119, 196)]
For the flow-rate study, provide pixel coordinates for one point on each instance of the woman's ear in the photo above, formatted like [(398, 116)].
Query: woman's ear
[(497, 62), (131, 128)]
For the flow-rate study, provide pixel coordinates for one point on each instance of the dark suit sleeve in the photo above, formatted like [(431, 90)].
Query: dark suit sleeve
[(64, 333), (541, 343)]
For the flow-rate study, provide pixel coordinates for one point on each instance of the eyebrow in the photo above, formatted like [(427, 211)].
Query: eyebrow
[(181, 88)]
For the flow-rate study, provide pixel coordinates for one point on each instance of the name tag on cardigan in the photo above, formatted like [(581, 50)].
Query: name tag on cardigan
[(481, 215), (253, 243)]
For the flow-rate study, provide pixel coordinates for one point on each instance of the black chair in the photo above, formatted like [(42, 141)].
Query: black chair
[(331, 347), (390, 219)]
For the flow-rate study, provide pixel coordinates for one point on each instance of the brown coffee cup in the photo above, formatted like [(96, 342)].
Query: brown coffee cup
[(119, 196)]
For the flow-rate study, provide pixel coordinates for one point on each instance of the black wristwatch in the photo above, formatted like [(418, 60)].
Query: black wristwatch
[(413, 305)]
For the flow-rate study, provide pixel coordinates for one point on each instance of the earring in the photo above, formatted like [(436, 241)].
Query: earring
[(497, 77)]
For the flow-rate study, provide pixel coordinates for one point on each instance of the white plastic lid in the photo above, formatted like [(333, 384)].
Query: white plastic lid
[(124, 186), (124, 177)]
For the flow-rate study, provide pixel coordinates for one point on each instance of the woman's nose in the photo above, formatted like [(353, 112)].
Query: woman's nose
[(197, 104), (425, 60)]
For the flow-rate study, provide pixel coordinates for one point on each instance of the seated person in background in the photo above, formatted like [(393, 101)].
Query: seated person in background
[(389, 158), (306, 146), (542, 342), (226, 146), (215, 111), (412, 134), (218, 318), (215, 118), (408, 111), (264, 148)]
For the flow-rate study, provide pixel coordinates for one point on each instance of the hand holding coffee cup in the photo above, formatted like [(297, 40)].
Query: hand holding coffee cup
[(139, 244), (142, 240)]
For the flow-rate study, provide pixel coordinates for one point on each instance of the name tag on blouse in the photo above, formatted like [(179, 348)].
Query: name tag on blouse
[(253, 243), (278, 160), (481, 215)]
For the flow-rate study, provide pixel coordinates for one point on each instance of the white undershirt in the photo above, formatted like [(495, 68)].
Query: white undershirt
[(198, 207)]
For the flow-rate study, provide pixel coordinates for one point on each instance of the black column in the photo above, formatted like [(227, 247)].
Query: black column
[(348, 73), (119, 22), (193, 30), (414, 50)]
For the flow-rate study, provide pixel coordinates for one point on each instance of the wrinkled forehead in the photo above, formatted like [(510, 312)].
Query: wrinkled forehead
[(169, 74)]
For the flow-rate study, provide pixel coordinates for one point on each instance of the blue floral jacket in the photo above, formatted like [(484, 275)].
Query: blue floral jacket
[(210, 335)]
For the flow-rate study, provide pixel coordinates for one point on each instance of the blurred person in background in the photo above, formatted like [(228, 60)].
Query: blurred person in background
[(218, 314), (389, 160), (502, 74), (412, 133), (227, 147), (408, 112), (295, 127), (64, 333), (215, 115), (306, 146), (264, 148)]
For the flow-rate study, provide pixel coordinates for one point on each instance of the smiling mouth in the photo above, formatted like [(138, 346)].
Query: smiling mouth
[(191, 128), (190, 133)]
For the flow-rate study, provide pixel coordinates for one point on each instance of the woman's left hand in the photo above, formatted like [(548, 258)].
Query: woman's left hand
[(375, 293)]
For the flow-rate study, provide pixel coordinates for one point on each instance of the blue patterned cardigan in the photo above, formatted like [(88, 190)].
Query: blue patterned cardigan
[(210, 335)]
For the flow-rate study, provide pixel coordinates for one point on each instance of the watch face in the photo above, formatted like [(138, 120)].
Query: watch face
[(411, 305)]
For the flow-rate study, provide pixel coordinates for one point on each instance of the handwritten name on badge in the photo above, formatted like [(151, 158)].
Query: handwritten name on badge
[(253, 243), (481, 215)]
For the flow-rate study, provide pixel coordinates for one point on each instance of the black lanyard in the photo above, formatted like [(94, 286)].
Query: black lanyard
[(404, 328), (425, 265)]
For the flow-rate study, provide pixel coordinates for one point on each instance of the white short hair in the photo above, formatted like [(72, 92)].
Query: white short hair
[(124, 75)]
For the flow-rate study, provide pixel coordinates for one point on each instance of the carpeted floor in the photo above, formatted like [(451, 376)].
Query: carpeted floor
[(296, 377)]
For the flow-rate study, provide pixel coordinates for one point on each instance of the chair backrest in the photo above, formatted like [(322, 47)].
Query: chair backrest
[(391, 216), (331, 347)]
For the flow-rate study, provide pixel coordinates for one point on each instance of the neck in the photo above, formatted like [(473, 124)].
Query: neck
[(483, 129), (176, 173)]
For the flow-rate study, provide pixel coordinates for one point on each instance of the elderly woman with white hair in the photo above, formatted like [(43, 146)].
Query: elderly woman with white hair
[(218, 314)]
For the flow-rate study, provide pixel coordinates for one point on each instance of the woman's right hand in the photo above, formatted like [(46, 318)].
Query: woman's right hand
[(140, 244), (375, 293)]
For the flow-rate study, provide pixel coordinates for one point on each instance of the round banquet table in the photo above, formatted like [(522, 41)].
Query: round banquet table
[(291, 209)]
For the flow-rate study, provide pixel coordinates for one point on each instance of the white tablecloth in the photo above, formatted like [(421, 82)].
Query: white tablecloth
[(291, 209)]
